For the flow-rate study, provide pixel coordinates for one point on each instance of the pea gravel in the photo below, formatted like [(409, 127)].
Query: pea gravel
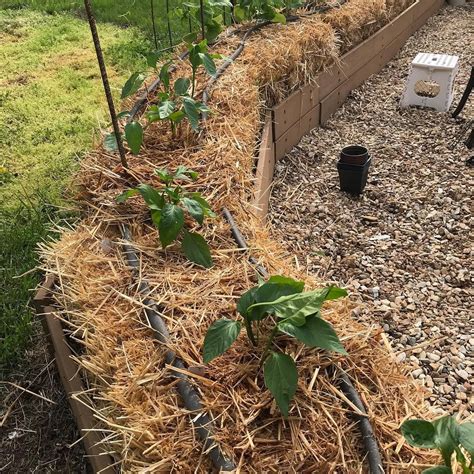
[(405, 247)]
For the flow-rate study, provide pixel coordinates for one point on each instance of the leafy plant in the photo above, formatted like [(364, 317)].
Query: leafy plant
[(213, 21), (445, 435), (294, 313), (168, 206), (175, 101), (271, 10)]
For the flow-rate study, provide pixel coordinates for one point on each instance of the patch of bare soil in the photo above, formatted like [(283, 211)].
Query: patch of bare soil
[(404, 247), (37, 430)]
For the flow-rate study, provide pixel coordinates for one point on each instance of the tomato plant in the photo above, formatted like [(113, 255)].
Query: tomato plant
[(294, 313), (168, 206), (445, 435)]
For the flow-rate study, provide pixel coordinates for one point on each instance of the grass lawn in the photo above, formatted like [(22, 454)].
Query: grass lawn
[(121, 12), (51, 107)]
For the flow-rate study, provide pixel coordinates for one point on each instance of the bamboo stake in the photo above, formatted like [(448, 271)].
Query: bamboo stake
[(105, 81)]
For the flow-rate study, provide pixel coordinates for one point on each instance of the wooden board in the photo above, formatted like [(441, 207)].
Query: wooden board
[(69, 373), (265, 168)]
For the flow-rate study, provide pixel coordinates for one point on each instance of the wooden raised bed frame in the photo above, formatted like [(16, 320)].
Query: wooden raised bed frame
[(285, 125), (312, 105)]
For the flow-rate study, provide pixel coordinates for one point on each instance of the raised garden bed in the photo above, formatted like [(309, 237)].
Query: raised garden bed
[(296, 114)]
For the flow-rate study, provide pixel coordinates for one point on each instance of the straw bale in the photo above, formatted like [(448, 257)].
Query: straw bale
[(145, 424)]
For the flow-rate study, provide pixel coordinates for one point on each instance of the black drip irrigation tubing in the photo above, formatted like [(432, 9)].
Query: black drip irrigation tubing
[(370, 443), (202, 421)]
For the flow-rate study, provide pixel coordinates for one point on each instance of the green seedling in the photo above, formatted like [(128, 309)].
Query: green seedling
[(168, 207), (448, 437), (294, 313)]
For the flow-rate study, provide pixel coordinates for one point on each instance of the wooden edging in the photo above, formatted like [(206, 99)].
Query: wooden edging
[(312, 105), (70, 375)]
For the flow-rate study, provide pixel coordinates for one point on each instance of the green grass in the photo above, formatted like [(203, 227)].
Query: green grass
[(51, 105), (121, 12)]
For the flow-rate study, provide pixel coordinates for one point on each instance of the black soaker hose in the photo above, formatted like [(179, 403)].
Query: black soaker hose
[(203, 422), (370, 443)]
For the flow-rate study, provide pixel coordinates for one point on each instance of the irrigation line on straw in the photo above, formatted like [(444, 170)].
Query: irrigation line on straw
[(370, 442), (202, 421)]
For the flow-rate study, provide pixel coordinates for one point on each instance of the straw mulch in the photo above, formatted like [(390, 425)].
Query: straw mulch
[(132, 391)]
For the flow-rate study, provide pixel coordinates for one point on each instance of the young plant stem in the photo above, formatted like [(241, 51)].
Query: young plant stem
[(248, 328), (268, 345), (193, 83), (105, 81)]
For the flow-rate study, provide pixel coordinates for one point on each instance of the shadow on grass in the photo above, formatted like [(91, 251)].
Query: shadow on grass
[(20, 231)]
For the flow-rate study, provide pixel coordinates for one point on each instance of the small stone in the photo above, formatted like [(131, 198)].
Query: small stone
[(417, 372), (463, 374)]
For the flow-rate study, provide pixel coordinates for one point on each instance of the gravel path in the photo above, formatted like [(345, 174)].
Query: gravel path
[(404, 247)]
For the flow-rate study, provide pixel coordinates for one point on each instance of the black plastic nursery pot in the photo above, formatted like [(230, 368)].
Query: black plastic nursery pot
[(353, 178), (354, 155)]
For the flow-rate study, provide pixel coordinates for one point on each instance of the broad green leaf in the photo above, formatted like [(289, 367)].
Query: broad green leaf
[(165, 75), (171, 223), (437, 470), (181, 86), (220, 3), (205, 205), (194, 57), (202, 108), (177, 116), (279, 18), (315, 332), (297, 305), (124, 113), (419, 433), (246, 300), (190, 37), (208, 63), (152, 58), (156, 217), (133, 84), (166, 108), (110, 142), (164, 175), (134, 136), (281, 378), (213, 28), (126, 194), (196, 249), (219, 337), (151, 196), (446, 437), (239, 13), (283, 280), (191, 112), (153, 114), (185, 173), (466, 437), (334, 292), (194, 208)]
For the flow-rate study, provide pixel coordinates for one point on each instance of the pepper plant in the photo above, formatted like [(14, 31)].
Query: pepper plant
[(168, 206), (175, 101), (292, 312), (445, 435)]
